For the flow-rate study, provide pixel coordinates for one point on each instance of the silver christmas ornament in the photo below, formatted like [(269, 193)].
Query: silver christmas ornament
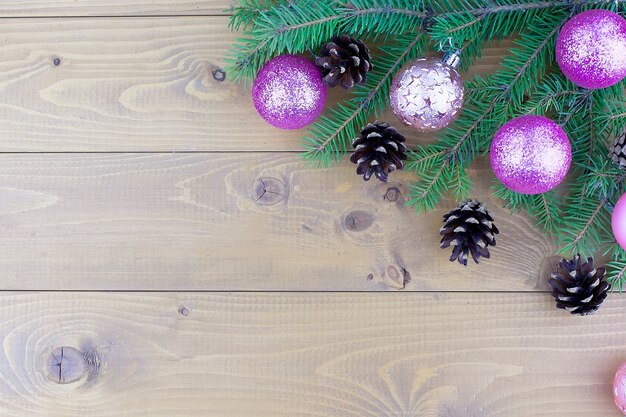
[(427, 94)]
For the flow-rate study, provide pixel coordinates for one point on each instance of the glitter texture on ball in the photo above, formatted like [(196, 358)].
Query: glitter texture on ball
[(288, 92), (591, 49), (427, 94), (618, 224), (619, 388), (531, 154)]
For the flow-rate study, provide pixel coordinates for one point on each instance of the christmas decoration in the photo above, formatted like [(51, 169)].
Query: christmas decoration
[(379, 150), (344, 60), (528, 81), (469, 227), (428, 93), (619, 388), (617, 151), (578, 286), (591, 49), (618, 221), (530, 154), (288, 92)]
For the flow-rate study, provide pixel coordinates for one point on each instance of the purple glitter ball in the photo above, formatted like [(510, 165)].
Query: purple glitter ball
[(591, 49), (427, 94), (531, 154), (289, 92)]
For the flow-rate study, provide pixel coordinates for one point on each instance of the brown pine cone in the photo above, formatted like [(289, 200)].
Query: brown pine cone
[(469, 227), (617, 150), (578, 286), (379, 150), (344, 61)]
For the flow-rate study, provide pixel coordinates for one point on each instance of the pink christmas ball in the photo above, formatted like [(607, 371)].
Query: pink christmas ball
[(619, 388), (618, 221), (531, 154), (427, 94), (288, 92), (591, 49)]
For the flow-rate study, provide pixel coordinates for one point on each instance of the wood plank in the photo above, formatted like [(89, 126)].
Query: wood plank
[(32, 8), (237, 222), (133, 84), (345, 355)]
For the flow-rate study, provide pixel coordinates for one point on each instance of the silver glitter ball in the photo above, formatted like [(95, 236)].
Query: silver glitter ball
[(427, 94)]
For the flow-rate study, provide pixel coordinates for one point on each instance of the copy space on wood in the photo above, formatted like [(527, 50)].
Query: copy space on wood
[(136, 84), (243, 221), (344, 355), (37, 8)]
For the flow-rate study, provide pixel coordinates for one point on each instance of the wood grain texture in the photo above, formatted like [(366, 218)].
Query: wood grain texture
[(33, 8), (345, 355), (237, 222), (134, 84)]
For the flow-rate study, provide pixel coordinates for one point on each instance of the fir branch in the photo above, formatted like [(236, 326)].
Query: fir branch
[(544, 208), (461, 183), (587, 231), (243, 14), (387, 17), (528, 5), (616, 271), (289, 27)]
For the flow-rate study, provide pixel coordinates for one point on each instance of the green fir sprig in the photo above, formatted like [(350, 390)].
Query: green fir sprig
[(527, 82)]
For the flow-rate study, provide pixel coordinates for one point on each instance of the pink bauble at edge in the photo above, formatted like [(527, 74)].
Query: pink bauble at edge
[(619, 388), (618, 221), (591, 49), (288, 92), (530, 154)]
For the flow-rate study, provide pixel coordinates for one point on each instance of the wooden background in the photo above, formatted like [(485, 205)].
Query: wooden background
[(164, 252)]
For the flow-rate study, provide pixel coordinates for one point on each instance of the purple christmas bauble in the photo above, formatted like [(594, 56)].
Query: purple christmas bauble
[(531, 154), (427, 94), (591, 49), (618, 224), (288, 92), (619, 388)]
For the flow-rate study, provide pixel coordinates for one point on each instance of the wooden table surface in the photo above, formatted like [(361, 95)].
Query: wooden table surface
[(164, 252)]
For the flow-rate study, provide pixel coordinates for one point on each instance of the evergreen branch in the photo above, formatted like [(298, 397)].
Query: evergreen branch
[(388, 17), (289, 27), (321, 148), (243, 15), (528, 6), (462, 183), (588, 223), (616, 271), (547, 209), (543, 207)]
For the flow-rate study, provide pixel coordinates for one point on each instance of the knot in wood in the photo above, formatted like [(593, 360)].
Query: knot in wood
[(358, 220), (269, 191), (65, 365), (219, 74), (397, 277), (392, 194)]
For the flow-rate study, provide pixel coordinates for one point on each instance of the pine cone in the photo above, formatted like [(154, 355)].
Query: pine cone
[(578, 286), (470, 228), (344, 60), (379, 150), (617, 150)]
